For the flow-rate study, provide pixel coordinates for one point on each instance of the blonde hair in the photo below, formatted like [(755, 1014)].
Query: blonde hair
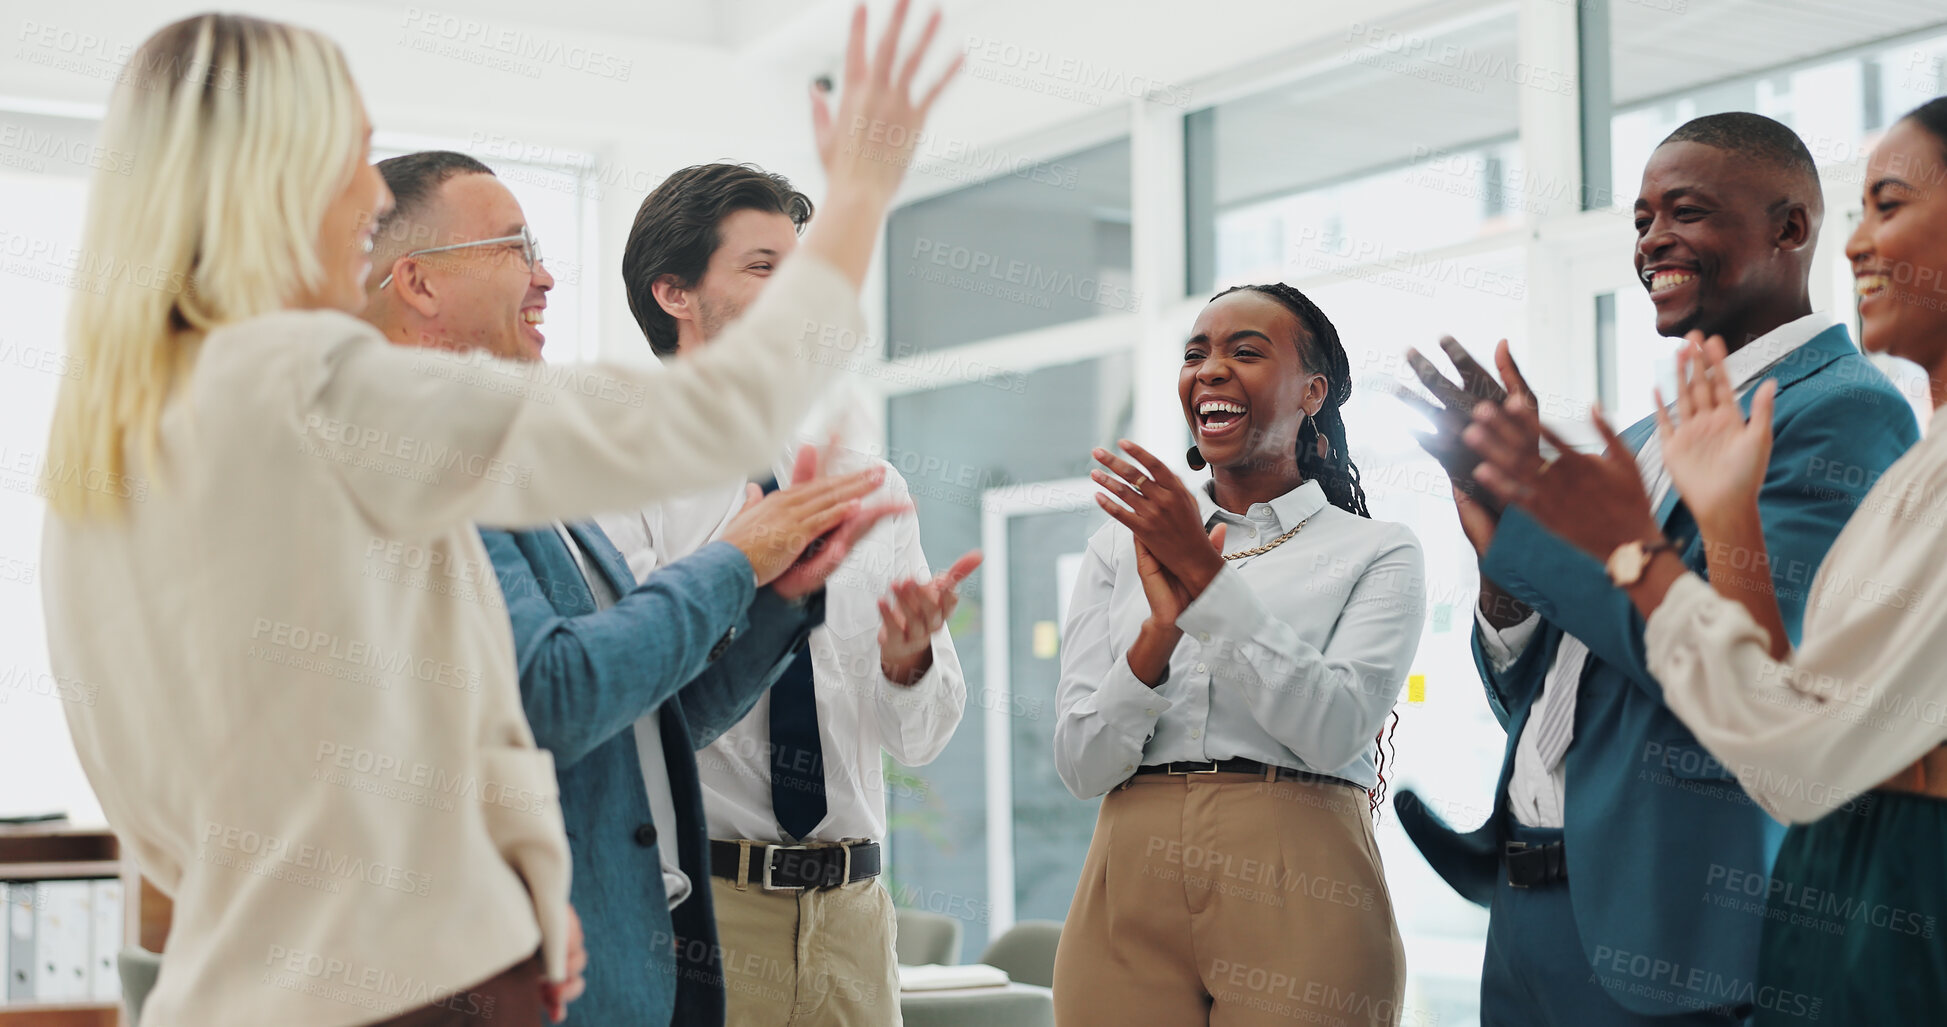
[(236, 125)]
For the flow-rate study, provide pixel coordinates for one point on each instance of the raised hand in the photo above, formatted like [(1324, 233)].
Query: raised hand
[(867, 145), (555, 995), (1162, 513), (1715, 456), (774, 531), (1451, 411), (1596, 503), (909, 615), (1452, 406)]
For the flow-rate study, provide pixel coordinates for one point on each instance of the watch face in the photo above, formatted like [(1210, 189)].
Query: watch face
[(1626, 563)]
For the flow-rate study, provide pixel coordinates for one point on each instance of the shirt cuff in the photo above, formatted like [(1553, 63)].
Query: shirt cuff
[(932, 672), (1688, 606), (1505, 645), (1124, 701), (1227, 608)]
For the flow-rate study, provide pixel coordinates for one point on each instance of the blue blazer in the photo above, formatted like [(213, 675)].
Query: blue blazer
[(1653, 824), (697, 632)]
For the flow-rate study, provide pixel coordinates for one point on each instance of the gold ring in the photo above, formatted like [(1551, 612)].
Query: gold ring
[(1139, 484), (1546, 463)]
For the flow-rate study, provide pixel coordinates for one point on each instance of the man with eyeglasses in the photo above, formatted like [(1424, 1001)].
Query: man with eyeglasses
[(467, 269), (621, 681)]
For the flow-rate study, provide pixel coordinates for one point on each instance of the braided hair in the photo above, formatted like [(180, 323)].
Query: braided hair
[(1320, 350)]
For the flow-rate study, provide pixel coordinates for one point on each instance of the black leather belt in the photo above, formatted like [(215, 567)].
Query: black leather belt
[(1531, 866), (794, 867), (1243, 766)]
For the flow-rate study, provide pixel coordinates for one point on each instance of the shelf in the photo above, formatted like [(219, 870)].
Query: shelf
[(56, 845), (55, 871), (61, 1014)]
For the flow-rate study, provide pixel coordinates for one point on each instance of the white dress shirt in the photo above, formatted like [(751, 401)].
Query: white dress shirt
[(1293, 657), (292, 670), (1536, 793), (1862, 696), (648, 743), (860, 712)]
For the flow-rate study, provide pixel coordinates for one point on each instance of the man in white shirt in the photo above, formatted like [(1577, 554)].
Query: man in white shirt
[(1613, 832), (795, 792)]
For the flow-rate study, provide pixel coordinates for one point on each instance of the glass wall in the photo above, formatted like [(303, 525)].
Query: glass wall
[(1837, 74), (1044, 246), (1407, 140), (953, 445)]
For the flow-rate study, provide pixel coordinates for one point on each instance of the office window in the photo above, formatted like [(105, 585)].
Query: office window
[(1410, 136), (1045, 245), (1837, 74), (954, 445)]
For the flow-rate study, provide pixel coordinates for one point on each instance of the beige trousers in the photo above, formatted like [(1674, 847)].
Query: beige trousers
[(808, 957), (1228, 900)]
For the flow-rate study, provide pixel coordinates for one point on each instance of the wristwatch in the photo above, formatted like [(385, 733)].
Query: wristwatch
[(1627, 563)]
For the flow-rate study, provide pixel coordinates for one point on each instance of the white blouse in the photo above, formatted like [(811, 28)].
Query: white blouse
[(1863, 696), (293, 673), (1293, 657)]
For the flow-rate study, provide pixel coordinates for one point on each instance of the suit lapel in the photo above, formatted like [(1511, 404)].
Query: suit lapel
[(1788, 370), (559, 575), (609, 562), (685, 789)]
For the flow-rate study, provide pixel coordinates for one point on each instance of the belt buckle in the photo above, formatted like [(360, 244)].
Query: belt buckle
[(1507, 867), (768, 867), (846, 877), (1171, 769)]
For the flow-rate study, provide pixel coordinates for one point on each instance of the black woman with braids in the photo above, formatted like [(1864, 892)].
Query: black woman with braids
[(1230, 654)]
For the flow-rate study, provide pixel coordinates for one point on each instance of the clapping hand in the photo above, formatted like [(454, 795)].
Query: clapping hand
[(1715, 455), (1161, 512), (1451, 411), (1167, 595), (1596, 503), (909, 615), (835, 539), (775, 531), (1175, 559)]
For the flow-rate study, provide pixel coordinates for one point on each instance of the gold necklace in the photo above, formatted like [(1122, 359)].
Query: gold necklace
[(1268, 546)]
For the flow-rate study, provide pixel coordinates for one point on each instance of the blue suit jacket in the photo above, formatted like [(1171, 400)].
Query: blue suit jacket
[(1653, 824), (697, 631)]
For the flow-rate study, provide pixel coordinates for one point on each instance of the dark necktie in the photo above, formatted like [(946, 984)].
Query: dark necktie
[(797, 756)]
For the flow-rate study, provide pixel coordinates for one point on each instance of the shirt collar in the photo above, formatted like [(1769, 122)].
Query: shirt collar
[(1748, 363), (1289, 509)]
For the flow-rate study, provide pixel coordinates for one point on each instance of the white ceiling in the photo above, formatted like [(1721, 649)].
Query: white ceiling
[(1659, 51), (728, 24)]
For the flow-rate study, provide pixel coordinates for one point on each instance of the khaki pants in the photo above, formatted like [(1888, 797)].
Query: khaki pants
[(1228, 900), (808, 957)]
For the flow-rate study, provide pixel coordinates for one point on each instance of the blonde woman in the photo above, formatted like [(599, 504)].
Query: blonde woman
[(322, 761)]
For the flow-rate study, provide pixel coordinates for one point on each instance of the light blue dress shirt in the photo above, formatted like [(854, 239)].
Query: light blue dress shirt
[(1293, 657)]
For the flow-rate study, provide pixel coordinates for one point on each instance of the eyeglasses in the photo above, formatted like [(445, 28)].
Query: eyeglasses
[(530, 250)]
